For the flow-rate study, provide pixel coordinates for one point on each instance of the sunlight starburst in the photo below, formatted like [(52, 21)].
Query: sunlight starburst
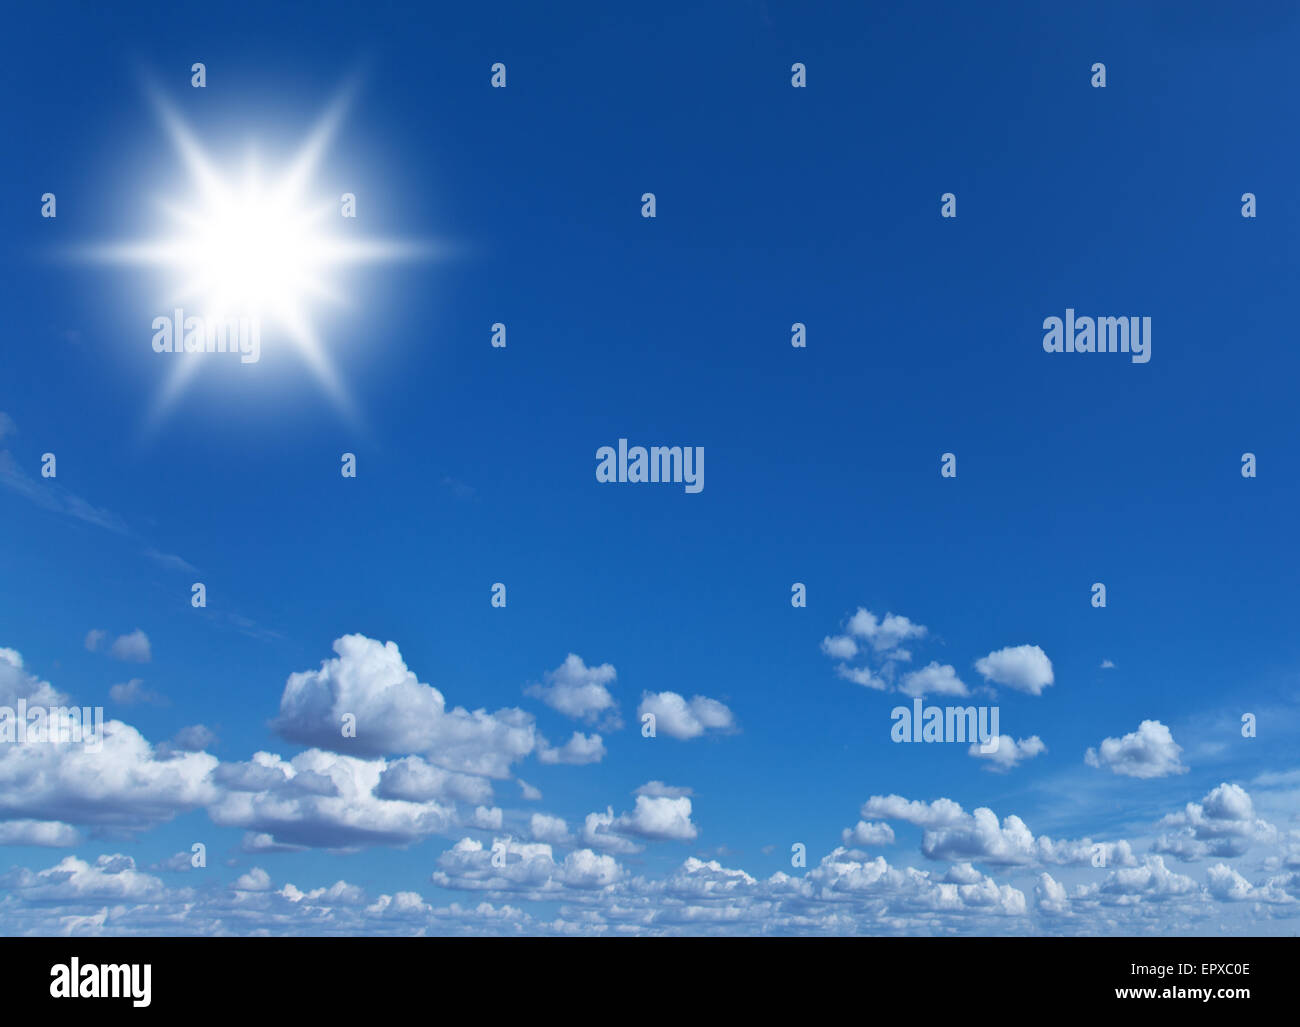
[(256, 247)]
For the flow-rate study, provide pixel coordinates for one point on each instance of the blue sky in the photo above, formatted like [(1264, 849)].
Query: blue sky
[(476, 465)]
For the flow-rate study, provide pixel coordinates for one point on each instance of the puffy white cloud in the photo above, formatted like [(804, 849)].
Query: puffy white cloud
[(934, 679), (1025, 668), (839, 647), (659, 818), (1223, 823), (677, 718), (1150, 751), (546, 828), (1152, 881), (653, 818), (658, 789), (938, 813), (1050, 896), (911, 891), (321, 799), (256, 879), (579, 691), (1227, 885), (523, 867), (16, 683), (953, 835), (1009, 751), (109, 879), (528, 792), (488, 819), (48, 833), (396, 714), (133, 648), (880, 637), (415, 780), (868, 834), (883, 635), (578, 750), (123, 783), (863, 676), (133, 692), (194, 738)]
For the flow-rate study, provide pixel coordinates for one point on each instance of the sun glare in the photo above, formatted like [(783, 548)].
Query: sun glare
[(249, 246)]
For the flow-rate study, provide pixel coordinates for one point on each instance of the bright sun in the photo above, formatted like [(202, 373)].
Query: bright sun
[(245, 246)]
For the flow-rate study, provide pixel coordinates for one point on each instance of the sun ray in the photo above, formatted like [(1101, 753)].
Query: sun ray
[(250, 247)]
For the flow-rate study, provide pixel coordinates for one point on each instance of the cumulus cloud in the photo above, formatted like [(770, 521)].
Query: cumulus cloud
[(413, 780), (1009, 752), (194, 738), (953, 835), (124, 784), (866, 633), (1223, 823), (47, 833), (396, 714), (653, 818), (677, 718), (133, 692), (16, 683), (324, 800), (579, 691), (1025, 668), (578, 750), (657, 789), (552, 830), (934, 679), (528, 792), (527, 867), (133, 648), (1150, 751), (883, 635), (866, 834)]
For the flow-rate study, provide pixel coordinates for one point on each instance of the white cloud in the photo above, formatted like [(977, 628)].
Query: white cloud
[(16, 683), (123, 785), (934, 679), (528, 792), (48, 833), (657, 789), (579, 691), (1222, 824), (323, 800), (396, 714), (653, 818), (133, 692), (414, 780), (133, 648), (953, 835), (578, 750), (1025, 668), (1009, 751), (883, 635), (868, 834), (1150, 751), (552, 830), (677, 718)]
